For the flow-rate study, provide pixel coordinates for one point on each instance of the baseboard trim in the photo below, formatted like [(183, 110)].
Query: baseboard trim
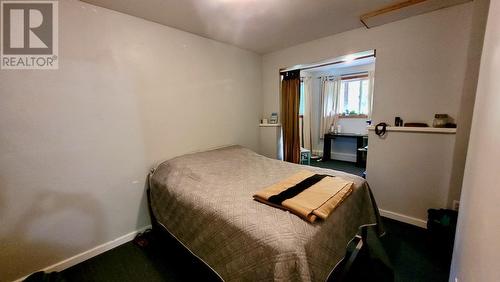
[(338, 156), (76, 259), (344, 157), (403, 218)]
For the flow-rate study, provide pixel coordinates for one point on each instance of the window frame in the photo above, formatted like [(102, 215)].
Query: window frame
[(351, 78)]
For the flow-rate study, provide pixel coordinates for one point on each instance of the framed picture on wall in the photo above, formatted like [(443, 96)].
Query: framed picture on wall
[(274, 118)]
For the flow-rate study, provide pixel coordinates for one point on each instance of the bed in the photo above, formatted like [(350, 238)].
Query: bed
[(204, 200)]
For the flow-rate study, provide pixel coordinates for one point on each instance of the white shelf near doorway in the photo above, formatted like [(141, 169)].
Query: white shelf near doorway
[(269, 125), (418, 129)]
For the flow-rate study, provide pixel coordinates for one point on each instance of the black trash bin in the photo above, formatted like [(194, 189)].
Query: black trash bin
[(441, 226)]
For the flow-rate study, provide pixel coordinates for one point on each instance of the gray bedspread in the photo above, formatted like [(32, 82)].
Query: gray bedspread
[(205, 201)]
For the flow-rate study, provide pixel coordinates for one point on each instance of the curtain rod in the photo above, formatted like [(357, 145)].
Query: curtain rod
[(335, 63), (331, 63), (344, 75)]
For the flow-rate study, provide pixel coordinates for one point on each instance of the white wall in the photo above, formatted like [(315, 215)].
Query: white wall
[(77, 142), (268, 149), (464, 119), (477, 248), (410, 173), (420, 70)]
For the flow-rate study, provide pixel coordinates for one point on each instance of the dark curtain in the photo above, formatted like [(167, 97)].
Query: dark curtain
[(290, 95)]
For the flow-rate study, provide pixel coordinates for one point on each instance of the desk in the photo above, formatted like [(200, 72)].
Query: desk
[(327, 145)]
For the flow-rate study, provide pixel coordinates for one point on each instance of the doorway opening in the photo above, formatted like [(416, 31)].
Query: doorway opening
[(335, 102)]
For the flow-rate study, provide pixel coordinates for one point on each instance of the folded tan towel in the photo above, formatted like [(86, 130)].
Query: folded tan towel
[(318, 200)]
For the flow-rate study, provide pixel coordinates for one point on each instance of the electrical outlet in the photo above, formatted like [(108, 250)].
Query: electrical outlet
[(456, 205)]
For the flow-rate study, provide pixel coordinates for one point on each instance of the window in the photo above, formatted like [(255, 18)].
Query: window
[(301, 99), (354, 97)]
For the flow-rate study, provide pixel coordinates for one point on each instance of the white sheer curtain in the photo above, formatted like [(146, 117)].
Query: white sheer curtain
[(371, 79), (329, 101), (307, 120)]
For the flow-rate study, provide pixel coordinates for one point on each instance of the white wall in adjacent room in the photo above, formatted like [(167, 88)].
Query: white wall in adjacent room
[(78, 142)]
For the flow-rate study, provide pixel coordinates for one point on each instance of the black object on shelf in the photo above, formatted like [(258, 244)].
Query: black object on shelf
[(416, 124), (381, 129), (398, 121)]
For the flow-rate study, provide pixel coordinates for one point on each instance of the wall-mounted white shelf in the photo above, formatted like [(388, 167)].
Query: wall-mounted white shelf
[(418, 129), (269, 125)]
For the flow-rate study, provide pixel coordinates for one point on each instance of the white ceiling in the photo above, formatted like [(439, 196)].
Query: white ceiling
[(259, 25), (264, 26)]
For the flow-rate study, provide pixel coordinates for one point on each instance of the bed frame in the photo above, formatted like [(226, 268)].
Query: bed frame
[(340, 272), (161, 233)]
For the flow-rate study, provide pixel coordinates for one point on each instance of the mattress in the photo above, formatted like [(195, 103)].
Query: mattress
[(205, 201)]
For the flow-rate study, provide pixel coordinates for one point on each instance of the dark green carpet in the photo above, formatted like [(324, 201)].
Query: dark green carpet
[(407, 246), (340, 165), (162, 260), (412, 254)]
